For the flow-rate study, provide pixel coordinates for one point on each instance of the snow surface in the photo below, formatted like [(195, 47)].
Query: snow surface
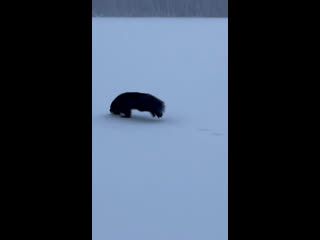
[(161, 178)]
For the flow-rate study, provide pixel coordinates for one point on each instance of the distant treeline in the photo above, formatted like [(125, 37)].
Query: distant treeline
[(160, 8)]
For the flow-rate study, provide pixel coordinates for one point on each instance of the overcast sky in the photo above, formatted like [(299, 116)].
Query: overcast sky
[(160, 8)]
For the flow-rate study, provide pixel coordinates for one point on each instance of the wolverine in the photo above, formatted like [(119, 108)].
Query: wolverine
[(144, 102)]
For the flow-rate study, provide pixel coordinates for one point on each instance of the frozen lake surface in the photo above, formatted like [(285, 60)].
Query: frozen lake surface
[(161, 179)]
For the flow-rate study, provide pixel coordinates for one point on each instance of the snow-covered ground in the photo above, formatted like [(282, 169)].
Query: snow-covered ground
[(161, 179)]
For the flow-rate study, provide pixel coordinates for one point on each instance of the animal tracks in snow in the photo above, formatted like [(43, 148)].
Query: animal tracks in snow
[(210, 131)]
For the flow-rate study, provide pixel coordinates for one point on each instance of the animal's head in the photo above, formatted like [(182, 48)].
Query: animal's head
[(114, 108)]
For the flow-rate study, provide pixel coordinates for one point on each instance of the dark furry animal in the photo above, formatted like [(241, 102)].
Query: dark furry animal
[(125, 102)]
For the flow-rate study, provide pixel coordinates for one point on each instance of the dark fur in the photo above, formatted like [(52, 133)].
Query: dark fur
[(125, 102)]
